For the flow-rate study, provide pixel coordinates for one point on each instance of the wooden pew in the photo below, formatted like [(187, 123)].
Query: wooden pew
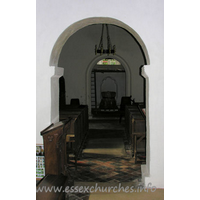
[(54, 137), (129, 111), (82, 110), (79, 128), (57, 175), (135, 123)]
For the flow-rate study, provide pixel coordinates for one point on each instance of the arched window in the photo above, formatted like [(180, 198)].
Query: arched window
[(108, 61)]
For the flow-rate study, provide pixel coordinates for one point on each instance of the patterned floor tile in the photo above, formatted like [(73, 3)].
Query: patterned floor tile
[(106, 168)]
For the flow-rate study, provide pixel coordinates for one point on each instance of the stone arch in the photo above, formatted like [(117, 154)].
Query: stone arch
[(55, 54), (54, 58)]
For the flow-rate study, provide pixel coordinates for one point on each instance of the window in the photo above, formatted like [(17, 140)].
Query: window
[(108, 62)]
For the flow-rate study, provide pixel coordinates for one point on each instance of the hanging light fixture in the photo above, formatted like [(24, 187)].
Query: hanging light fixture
[(110, 49)]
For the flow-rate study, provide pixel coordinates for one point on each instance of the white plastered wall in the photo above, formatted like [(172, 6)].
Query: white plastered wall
[(146, 18)]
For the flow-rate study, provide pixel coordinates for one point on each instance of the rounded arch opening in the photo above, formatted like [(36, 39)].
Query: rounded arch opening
[(55, 54), (63, 38), (112, 82), (128, 82)]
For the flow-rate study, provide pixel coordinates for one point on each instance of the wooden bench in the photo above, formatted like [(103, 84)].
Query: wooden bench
[(54, 137), (135, 128), (78, 130)]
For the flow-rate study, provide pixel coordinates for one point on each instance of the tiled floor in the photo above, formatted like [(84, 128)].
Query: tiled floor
[(104, 158), (106, 170), (98, 167)]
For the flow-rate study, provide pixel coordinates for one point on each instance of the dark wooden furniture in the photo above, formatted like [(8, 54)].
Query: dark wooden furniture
[(56, 185), (137, 137), (54, 138), (78, 130), (79, 114), (74, 102), (135, 129), (129, 111), (60, 139), (125, 101)]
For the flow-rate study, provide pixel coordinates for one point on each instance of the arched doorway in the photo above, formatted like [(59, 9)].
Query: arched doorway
[(128, 84), (107, 75), (67, 35), (57, 53)]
